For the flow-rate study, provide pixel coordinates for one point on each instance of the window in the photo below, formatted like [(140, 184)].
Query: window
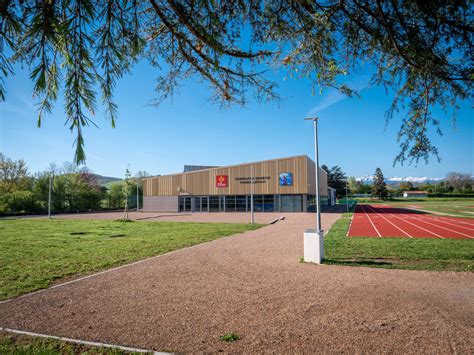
[(213, 203), (311, 204), (297, 203), (240, 202), (258, 203), (268, 203), (204, 202), (230, 203), (287, 203), (291, 203)]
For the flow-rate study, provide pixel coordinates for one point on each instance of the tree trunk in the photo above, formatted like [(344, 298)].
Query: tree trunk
[(125, 212)]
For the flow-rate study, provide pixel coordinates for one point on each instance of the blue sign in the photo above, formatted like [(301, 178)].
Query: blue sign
[(286, 179)]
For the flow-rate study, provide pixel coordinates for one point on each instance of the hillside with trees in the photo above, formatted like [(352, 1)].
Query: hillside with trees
[(454, 184)]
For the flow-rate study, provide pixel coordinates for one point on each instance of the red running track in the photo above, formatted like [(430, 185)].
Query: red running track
[(382, 221)]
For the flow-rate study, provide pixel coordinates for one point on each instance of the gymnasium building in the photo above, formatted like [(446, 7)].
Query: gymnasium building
[(277, 185)]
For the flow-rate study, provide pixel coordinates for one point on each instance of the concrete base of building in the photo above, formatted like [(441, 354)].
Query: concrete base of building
[(313, 246)]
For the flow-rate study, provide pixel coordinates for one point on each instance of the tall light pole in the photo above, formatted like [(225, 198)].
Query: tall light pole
[(138, 198), (347, 200), (314, 239), (252, 217), (49, 193)]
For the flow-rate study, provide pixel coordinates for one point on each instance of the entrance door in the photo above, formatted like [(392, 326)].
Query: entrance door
[(214, 203), (184, 204), (197, 204), (205, 204), (187, 204)]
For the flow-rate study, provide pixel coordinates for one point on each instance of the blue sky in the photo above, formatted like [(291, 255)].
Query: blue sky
[(191, 130)]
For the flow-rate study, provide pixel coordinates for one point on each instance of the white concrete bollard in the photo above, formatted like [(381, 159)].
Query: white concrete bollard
[(313, 246)]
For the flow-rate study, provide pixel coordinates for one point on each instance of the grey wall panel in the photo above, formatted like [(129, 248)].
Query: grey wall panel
[(160, 203)]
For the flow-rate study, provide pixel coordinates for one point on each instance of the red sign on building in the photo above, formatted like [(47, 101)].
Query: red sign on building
[(221, 180)]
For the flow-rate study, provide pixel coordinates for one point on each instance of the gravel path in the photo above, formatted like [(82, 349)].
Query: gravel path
[(252, 284)]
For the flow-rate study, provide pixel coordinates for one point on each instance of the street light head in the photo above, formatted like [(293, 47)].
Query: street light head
[(311, 118)]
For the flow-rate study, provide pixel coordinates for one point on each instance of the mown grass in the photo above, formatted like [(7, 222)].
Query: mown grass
[(21, 344), (396, 253), (34, 253)]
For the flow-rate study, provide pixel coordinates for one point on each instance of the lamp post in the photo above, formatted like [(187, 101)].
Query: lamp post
[(314, 239), (347, 200), (49, 193), (252, 217), (138, 197)]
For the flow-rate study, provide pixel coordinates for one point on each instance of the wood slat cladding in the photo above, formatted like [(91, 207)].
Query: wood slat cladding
[(266, 176), (323, 179)]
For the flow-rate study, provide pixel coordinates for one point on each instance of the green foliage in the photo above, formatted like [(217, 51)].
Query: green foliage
[(421, 50), (229, 337), (63, 248), (379, 188), (396, 253), (336, 179), (73, 189), (14, 175), (21, 201), (460, 182), (448, 195), (406, 186), (115, 196), (357, 187)]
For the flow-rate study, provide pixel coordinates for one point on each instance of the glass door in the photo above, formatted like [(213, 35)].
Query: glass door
[(197, 204), (187, 204), (204, 204), (214, 204)]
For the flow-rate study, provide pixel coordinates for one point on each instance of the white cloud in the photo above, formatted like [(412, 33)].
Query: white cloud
[(334, 96)]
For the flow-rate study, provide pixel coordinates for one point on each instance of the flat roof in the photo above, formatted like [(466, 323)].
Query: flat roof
[(229, 166)]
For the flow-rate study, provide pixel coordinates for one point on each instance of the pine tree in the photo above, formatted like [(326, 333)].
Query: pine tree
[(379, 189)]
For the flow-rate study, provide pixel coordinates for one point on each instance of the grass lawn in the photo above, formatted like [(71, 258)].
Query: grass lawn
[(396, 253), (21, 344), (36, 252), (460, 207)]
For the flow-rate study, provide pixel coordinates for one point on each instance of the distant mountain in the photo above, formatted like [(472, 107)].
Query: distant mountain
[(368, 179), (419, 180), (106, 180)]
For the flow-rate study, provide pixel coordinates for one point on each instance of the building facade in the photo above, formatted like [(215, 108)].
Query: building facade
[(277, 185)]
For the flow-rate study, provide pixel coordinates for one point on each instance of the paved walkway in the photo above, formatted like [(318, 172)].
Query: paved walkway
[(252, 284)]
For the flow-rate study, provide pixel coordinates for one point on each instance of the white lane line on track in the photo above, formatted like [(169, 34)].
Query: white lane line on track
[(450, 230), (82, 342), (457, 220), (401, 230), (444, 221), (373, 225), (405, 220)]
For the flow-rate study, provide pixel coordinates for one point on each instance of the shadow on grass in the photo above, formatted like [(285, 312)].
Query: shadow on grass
[(362, 262)]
